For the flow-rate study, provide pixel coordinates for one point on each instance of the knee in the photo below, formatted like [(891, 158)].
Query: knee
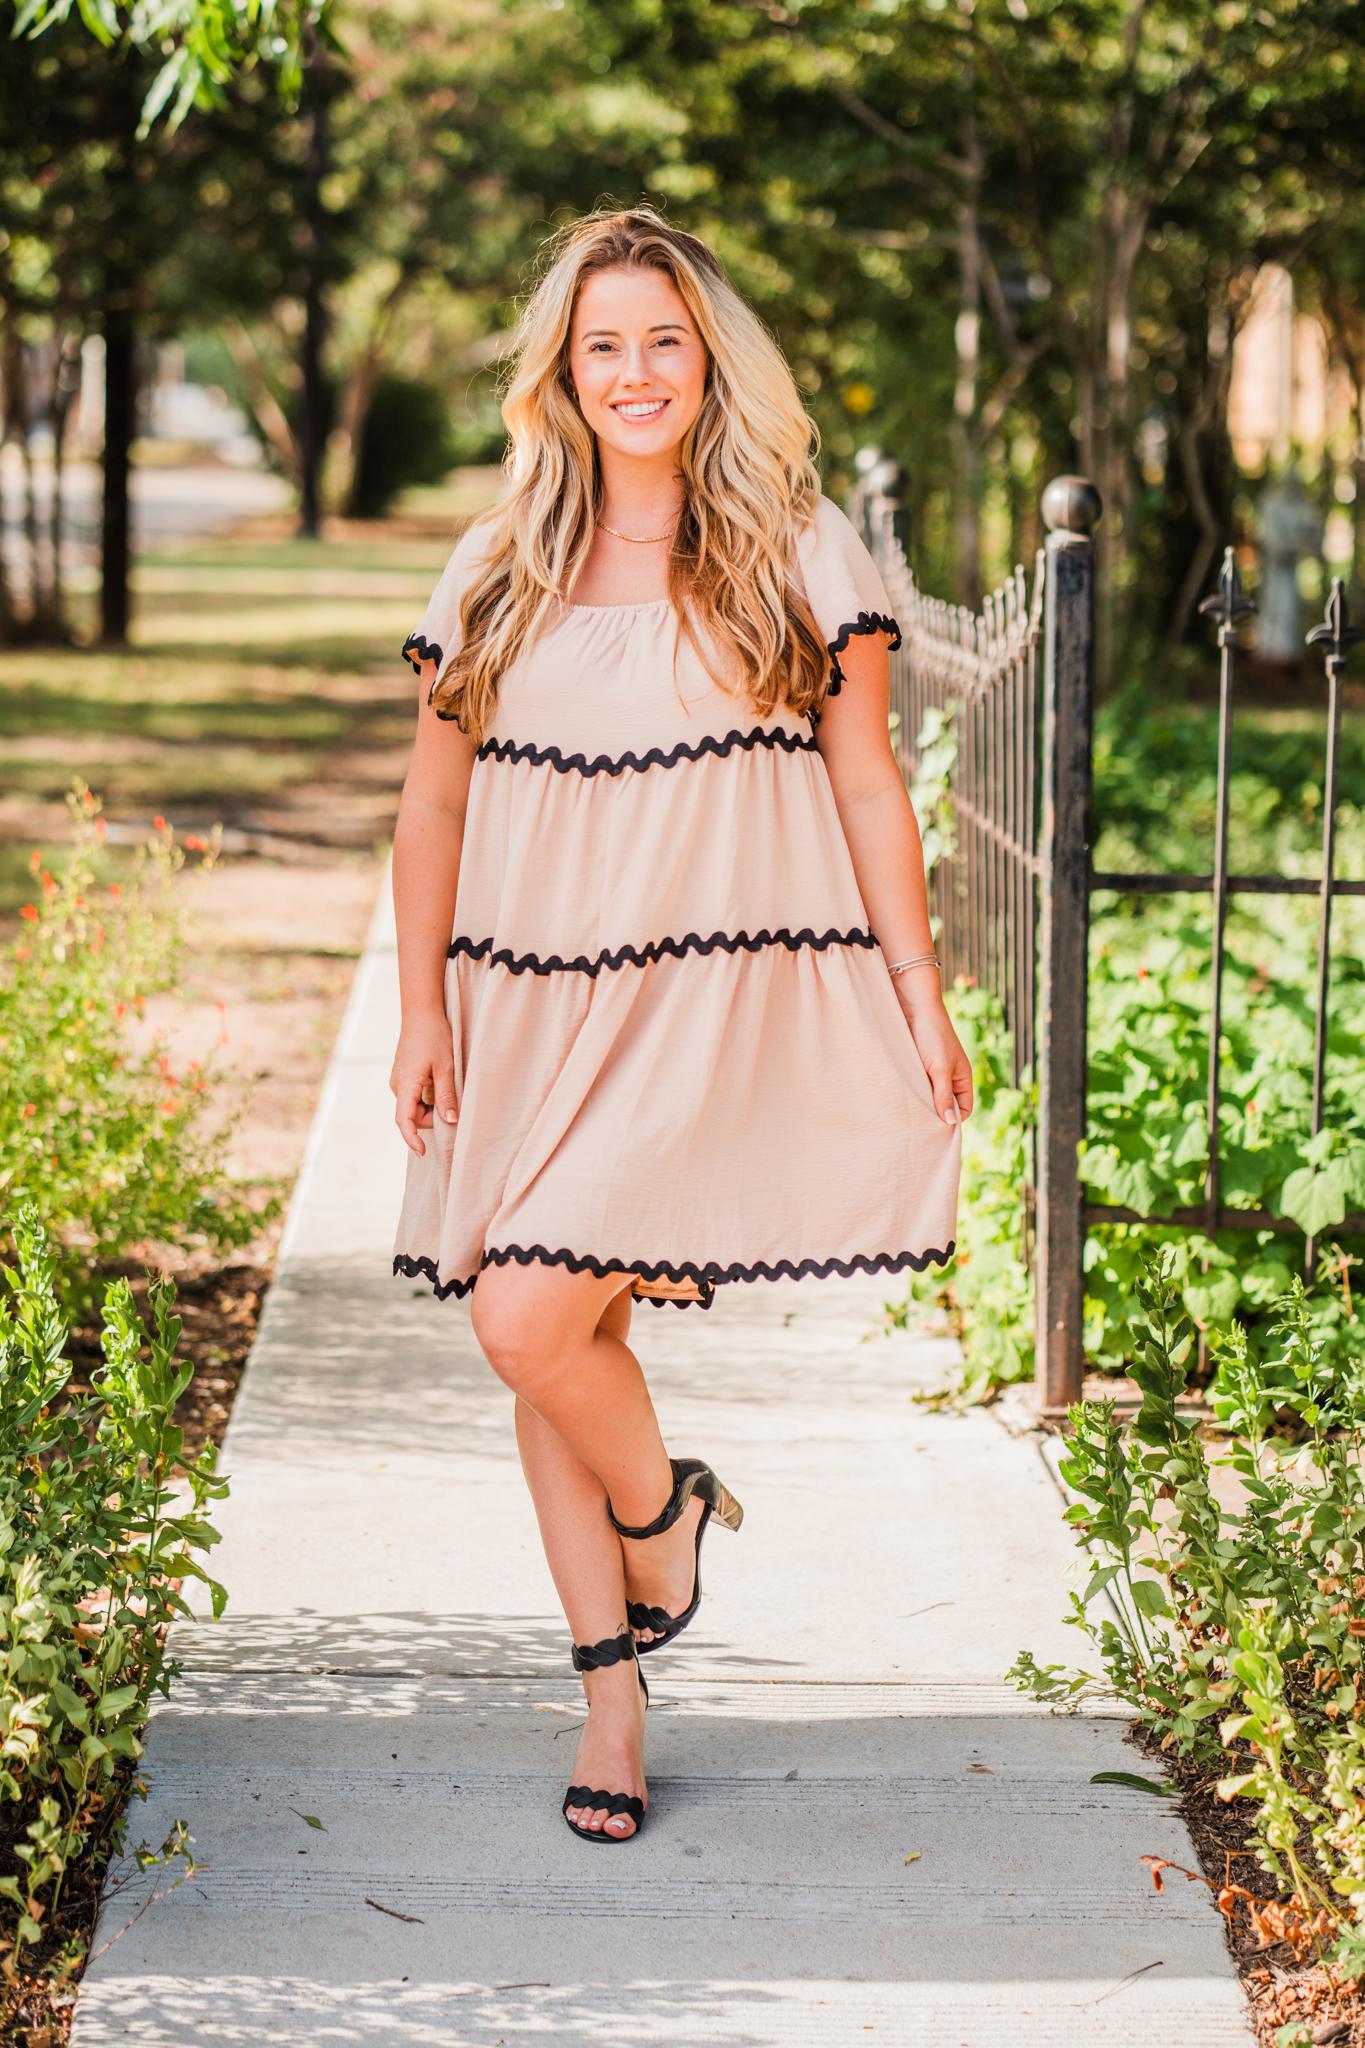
[(511, 1333)]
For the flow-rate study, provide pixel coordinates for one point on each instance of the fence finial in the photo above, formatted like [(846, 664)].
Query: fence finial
[(1071, 504), (1227, 603), (1336, 633)]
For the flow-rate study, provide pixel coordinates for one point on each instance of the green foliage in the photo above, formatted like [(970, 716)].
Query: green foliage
[(1236, 1625), (407, 439), (204, 44), (98, 1128), (102, 1519), (1148, 1028)]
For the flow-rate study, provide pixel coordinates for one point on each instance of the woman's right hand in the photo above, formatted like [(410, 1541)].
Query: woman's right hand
[(425, 1059)]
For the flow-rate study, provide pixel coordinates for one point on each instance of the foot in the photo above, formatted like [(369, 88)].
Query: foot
[(662, 1570), (611, 1749)]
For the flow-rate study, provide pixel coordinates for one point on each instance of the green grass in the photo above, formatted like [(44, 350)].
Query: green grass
[(257, 671)]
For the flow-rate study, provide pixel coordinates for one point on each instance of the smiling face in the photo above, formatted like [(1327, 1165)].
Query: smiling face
[(637, 360)]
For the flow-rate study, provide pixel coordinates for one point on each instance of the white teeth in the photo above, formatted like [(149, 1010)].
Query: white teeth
[(645, 410)]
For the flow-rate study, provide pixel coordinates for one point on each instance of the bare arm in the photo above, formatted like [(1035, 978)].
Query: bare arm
[(427, 839), (883, 836)]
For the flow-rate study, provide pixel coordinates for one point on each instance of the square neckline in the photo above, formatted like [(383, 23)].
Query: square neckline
[(639, 604)]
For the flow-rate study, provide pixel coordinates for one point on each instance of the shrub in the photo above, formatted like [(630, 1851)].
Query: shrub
[(406, 439), (100, 1522), (105, 1135), (1238, 1634)]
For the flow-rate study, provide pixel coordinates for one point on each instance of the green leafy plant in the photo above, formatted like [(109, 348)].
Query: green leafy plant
[(99, 1129), (1237, 1633), (102, 1519)]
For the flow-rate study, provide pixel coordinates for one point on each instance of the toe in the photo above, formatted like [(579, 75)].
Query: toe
[(621, 1824)]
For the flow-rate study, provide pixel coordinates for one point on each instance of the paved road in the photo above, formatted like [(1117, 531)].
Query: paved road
[(858, 1831)]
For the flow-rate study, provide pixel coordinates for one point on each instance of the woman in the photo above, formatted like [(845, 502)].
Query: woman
[(688, 1029)]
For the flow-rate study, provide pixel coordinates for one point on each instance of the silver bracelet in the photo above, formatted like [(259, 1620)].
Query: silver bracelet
[(919, 960)]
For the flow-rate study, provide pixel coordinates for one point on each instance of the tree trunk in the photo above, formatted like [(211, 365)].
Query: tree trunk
[(119, 324), (965, 439), (313, 389), (120, 406)]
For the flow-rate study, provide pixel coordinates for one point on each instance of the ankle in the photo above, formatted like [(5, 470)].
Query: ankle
[(615, 1701), (642, 1494)]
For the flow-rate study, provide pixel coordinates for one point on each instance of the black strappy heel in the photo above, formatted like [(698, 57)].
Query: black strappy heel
[(690, 1475), (615, 1649)]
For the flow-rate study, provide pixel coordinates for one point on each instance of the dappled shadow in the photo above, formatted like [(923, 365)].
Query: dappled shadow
[(771, 1897)]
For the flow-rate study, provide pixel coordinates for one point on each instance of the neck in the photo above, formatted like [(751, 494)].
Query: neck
[(640, 494)]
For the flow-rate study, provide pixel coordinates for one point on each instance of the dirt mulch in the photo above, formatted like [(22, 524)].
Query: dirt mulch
[(1279, 1989)]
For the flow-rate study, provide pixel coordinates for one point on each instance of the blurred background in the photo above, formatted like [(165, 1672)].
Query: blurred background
[(256, 269)]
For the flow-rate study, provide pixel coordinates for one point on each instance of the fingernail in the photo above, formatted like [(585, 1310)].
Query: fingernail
[(449, 1115)]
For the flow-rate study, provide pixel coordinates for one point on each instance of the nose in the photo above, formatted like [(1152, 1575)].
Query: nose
[(636, 367)]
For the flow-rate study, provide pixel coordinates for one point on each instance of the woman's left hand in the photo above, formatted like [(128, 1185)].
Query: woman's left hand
[(945, 1061)]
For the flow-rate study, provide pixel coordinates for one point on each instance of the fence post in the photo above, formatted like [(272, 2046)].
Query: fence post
[(1071, 506), (879, 499)]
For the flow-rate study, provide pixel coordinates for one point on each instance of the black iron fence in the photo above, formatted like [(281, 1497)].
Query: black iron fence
[(1011, 886)]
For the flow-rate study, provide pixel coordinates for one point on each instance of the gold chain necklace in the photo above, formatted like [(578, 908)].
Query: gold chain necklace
[(640, 539)]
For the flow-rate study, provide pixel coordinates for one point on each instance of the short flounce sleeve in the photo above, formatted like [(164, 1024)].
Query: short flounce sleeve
[(843, 584), (436, 636)]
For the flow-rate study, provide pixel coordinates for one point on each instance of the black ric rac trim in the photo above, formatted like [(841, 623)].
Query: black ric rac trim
[(707, 1278), (427, 650), (657, 757), (866, 622), (656, 949)]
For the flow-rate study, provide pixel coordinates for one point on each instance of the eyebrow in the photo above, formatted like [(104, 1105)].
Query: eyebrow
[(660, 327)]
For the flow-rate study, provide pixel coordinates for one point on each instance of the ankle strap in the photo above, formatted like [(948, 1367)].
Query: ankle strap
[(667, 1515), (611, 1650)]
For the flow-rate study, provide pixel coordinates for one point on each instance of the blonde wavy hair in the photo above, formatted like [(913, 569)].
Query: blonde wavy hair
[(749, 483)]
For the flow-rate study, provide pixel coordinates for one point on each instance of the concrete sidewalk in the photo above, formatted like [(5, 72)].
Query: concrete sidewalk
[(393, 1663)]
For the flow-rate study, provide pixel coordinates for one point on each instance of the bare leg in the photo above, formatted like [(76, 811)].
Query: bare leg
[(585, 1428), (542, 1332), (583, 1552), (545, 1333)]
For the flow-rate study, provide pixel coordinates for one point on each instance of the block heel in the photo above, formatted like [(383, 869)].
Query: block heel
[(690, 1476)]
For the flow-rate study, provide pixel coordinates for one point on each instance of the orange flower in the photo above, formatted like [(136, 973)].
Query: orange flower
[(30, 1109), (80, 903), (21, 952), (168, 1104), (101, 828), (120, 1010), (160, 823), (1143, 973), (116, 890), (196, 842), (35, 860), (48, 883), (30, 911)]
